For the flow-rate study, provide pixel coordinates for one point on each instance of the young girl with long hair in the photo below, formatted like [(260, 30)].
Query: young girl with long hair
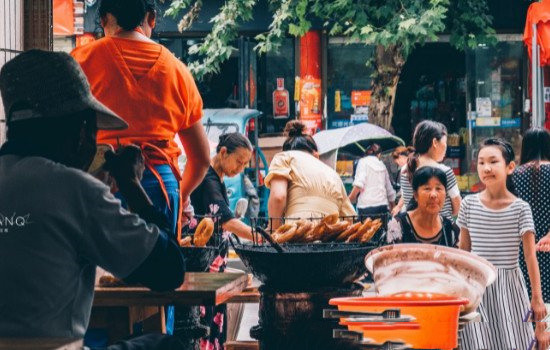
[(493, 224)]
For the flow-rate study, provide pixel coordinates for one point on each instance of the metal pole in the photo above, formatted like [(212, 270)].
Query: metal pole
[(534, 64)]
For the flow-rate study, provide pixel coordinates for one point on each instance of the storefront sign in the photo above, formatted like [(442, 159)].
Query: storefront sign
[(310, 102), (483, 107), (360, 98), (496, 123), (480, 122)]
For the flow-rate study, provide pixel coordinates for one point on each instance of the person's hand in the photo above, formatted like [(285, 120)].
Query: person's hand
[(542, 336), (543, 245), (539, 309), (395, 210), (126, 165), (188, 212)]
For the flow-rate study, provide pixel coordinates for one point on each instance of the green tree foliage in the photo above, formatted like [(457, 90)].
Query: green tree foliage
[(395, 27)]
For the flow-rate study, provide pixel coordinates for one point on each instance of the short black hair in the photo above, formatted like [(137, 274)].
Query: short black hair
[(128, 13), (233, 141), (425, 173)]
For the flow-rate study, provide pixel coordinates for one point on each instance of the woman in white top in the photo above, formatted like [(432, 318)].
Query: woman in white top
[(372, 187), (430, 143)]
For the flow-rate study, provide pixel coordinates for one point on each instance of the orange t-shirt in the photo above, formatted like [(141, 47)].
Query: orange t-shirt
[(147, 86)]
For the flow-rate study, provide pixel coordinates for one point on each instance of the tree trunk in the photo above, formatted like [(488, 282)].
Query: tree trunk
[(388, 63)]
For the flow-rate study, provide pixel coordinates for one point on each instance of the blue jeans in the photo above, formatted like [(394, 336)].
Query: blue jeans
[(152, 187)]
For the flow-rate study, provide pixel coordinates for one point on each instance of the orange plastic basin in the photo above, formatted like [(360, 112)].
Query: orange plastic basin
[(379, 332), (437, 315)]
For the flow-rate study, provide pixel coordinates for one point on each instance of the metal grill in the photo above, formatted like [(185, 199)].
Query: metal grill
[(11, 41)]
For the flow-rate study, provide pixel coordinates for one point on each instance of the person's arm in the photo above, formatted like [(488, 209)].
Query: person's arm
[(464, 242), (397, 207), (277, 199), (239, 228), (543, 245), (126, 167), (453, 191), (537, 304), (455, 203), (354, 193), (197, 151), (390, 191)]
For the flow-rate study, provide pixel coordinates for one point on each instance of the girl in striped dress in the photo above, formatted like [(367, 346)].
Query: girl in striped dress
[(493, 224)]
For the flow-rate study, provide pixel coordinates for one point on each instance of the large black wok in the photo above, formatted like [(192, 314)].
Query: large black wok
[(306, 265)]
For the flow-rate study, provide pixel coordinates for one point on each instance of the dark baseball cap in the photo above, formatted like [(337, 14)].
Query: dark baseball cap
[(45, 84)]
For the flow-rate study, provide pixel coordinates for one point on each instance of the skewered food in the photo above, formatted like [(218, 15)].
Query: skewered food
[(349, 231), (329, 229)]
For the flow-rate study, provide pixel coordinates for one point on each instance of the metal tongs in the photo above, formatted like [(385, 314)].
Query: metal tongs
[(367, 343), (269, 239), (389, 315)]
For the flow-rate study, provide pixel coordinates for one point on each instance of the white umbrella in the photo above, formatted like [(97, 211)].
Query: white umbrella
[(355, 139)]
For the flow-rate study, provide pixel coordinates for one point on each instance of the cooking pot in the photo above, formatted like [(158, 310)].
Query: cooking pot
[(431, 269)]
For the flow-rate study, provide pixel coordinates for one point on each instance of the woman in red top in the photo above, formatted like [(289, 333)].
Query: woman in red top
[(155, 93)]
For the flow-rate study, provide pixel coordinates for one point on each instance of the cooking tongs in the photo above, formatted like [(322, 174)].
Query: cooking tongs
[(367, 343), (389, 315), (269, 239)]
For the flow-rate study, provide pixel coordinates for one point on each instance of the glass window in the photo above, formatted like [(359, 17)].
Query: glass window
[(347, 75), (495, 97), (275, 65)]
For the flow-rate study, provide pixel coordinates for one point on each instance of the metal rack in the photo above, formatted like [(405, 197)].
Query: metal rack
[(268, 222)]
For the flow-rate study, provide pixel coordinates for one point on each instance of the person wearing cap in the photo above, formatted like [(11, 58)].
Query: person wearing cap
[(57, 223), (154, 92)]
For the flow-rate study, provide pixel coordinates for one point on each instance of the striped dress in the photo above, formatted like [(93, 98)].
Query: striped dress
[(452, 190), (496, 235)]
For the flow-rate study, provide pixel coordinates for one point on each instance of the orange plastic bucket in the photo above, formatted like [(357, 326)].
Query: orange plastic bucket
[(379, 332), (437, 314)]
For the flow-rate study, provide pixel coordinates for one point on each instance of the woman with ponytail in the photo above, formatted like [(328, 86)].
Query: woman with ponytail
[(430, 144), (301, 186)]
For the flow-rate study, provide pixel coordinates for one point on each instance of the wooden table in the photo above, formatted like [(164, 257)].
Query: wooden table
[(199, 288), (118, 308)]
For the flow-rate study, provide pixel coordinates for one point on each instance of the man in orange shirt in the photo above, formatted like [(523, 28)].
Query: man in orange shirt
[(155, 93)]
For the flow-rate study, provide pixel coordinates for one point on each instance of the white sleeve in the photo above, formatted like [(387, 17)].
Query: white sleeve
[(389, 189), (360, 174)]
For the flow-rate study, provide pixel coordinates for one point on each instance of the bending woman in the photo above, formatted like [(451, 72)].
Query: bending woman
[(233, 153), (301, 186)]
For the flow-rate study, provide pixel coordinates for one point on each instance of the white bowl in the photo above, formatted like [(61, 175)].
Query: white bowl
[(430, 269)]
